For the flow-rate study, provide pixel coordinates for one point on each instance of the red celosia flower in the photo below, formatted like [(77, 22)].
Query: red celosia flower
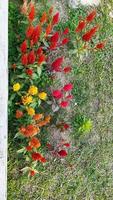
[(43, 18), (29, 72), (24, 59), (23, 47), (31, 14), (53, 45), (51, 10), (56, 18), (29, 148), (29, 31), (65, 41), (64, 104), (69, 96), (67, 145), (100, 45), (57, 94), (57, 64), (66, 31), (43, 160), (36, 33), (41, 59), (88, 35), (32, 173), (36, 156), (39, 51), (80, 26), (66, 126), (55, 37), (67, 69), (91, 16), (63, 153), (31, 57), (19, 114), (68, 87), (48, 29)]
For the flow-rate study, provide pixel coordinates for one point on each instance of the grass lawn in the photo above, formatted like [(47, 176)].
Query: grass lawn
[(87, 173)]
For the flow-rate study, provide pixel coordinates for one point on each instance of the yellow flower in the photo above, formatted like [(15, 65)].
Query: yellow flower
[(33, 90), (16, 87), (42, 95), (31, 111), (27, 99)]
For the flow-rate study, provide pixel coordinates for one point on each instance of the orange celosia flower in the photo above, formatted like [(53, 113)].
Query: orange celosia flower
[(43, 18), (19, 114), (29, 130), (34, 142), (37, 117), (48, 118), (24, 8), (51, 10), (42, 123), (48, 29)]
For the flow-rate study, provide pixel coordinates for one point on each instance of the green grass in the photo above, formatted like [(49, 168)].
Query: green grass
[(87, 173)]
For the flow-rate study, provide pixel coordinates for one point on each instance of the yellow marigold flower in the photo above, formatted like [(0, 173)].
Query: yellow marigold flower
[(16, 87), (27, 99), (33, 90), (31, 111), (42, 95)]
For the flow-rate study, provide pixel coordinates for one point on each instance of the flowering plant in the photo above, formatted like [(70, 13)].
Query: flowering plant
[(29, 99)]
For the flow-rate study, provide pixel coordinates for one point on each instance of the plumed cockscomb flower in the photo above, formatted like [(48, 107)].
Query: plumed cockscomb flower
[(41, 59), (62, 153), (29, 31), (80, 27), (57, 94), (29, 72), (88, 35), (31, 14), (65, 41), (100, 45), (66, 31), (56, 19), (64, 104), (31, 57), (23, 47), (43, 18), (55, 37), (67, 69), (48, 29), (56, 65), (67, 145), (68, 87), (24, 59), (91, 16)]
